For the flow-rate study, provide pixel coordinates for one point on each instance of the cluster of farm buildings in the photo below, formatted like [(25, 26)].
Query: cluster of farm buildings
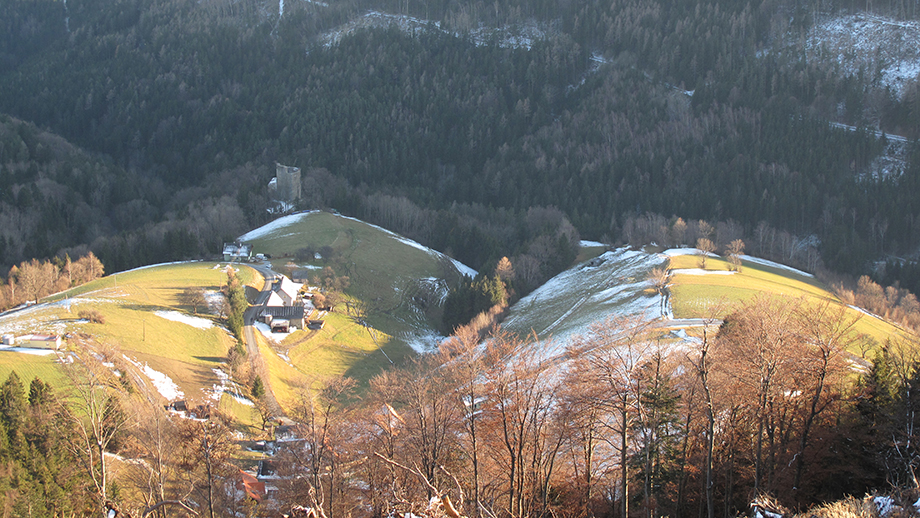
[(288, 306)]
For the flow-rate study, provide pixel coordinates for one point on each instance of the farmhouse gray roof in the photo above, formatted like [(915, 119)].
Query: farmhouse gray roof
[(288, 312)]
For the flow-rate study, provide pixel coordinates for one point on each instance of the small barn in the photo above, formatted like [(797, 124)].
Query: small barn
[(316, 325), (293, 314), (40, 341)]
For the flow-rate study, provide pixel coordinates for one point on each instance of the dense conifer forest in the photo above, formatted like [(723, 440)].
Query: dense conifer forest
[(701, 110)]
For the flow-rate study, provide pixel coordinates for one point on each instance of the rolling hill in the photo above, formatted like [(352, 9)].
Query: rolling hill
[(616, 284), (391, 307), (402, 283), (147, 330)]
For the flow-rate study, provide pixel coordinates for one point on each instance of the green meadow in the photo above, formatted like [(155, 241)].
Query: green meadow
[(30, 366), (145, 320), (694, 296), (342, 348), (385, 272)]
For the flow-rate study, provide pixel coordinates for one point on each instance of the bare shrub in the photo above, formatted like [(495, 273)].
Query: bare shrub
[(92, 315)]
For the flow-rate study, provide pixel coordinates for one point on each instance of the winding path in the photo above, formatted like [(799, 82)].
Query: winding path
[(249, 336)]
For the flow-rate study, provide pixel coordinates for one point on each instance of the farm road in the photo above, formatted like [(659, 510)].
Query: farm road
[(252, 346)]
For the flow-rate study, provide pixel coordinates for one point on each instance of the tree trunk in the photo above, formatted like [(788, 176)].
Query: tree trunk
[(624, 466), (102, 474)]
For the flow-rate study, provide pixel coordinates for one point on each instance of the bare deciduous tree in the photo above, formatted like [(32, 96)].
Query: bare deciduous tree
[(96, 415), (704, 247), (733, 252)]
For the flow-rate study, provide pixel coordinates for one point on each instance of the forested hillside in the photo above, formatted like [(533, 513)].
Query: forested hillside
[(705, 110)]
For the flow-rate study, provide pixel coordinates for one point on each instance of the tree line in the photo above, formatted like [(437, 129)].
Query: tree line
[(33, 280)]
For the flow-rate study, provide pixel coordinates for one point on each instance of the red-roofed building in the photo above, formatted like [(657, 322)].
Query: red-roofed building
[(249, 484)]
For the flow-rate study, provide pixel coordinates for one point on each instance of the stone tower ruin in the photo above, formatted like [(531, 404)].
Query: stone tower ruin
[(288, 184)]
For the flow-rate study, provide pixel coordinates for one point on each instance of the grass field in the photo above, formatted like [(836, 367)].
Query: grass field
[(146, 320), (400, 282), (29, 366), (306, 359), (692, 295)]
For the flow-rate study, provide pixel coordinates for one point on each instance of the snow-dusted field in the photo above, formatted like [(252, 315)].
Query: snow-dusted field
[(175, 316), (227, 386), (423, 342), (163, 383), (615, 284)]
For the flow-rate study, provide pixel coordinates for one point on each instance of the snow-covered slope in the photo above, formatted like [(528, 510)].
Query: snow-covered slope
[(884, 47), (517, 36), (614, 284)]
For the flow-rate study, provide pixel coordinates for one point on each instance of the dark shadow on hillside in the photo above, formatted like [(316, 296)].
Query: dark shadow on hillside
[(149, 308), (376, 362), (215, 359), (252, 294)]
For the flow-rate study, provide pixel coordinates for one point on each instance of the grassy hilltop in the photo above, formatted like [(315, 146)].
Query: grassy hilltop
[(148, 329), (694, 291), (389, 309), (617, 283)]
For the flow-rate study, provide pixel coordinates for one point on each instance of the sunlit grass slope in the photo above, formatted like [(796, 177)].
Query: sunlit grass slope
[(29, 366), (695, 294), (140, 309), (388, 273), (308, 359)]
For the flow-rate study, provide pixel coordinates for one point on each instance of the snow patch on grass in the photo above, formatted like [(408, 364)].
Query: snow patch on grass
[(464, 269), (175, 316), (227, 386), (771, 264), (422, 342), (214, 299), (163, 383), (267, 332), (274, 226)]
